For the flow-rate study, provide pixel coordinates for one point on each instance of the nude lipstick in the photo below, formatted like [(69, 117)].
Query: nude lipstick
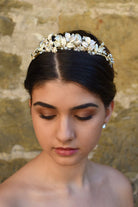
[(65, 151)]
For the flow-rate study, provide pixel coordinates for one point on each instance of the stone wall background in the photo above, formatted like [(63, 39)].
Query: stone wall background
[(22, 25)]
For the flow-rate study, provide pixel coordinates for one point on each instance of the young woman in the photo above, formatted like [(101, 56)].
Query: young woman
[(70, 82)]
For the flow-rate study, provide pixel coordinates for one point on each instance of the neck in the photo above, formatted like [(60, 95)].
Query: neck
[(64, 175)]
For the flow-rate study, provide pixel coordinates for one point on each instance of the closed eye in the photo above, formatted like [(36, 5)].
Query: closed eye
[(47, 117), (83, 118)]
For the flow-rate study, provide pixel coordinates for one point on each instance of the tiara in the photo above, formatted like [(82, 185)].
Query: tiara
[(75, 42)]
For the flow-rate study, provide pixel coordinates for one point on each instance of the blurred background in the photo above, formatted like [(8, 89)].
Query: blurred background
[(23, 23)]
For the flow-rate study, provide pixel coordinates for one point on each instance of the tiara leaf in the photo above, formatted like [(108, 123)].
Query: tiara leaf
[(76, 42)]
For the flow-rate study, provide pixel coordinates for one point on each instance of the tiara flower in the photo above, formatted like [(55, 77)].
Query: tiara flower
[(75, 42)]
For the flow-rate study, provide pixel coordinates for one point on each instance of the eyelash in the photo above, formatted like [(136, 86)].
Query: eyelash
[(78, 117), (83, 118), (47, 117)]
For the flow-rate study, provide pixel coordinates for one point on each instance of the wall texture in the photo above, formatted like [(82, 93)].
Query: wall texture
[(22, 25)]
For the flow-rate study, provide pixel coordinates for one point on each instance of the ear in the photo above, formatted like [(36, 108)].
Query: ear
[(109, 111), (30, 103)]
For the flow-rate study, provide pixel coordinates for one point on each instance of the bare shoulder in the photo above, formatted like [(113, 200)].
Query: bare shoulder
[(6, 194), (118, 183), (14, 187)]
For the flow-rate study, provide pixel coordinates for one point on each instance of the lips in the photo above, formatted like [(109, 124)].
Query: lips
[(65, 151)]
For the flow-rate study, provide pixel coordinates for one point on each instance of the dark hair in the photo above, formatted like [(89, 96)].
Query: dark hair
[(90, 71)]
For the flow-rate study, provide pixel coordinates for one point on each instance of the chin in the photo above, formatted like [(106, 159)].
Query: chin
[(68, 161)]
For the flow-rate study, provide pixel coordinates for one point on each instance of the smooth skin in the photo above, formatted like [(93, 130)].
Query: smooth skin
[(66, 115)]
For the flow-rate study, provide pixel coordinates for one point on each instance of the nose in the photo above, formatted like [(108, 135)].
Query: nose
[(65, 130)]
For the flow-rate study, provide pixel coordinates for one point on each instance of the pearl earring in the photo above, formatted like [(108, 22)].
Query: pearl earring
[(104, 126)]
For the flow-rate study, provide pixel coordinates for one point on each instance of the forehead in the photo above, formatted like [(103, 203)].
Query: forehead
[(61, 94)]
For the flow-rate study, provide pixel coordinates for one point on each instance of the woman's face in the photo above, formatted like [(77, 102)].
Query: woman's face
[(67, 120)]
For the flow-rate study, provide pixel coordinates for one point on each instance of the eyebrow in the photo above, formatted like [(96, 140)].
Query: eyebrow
[(46, 105)]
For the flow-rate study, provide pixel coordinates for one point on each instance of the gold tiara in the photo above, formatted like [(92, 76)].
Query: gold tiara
[(75, 42)]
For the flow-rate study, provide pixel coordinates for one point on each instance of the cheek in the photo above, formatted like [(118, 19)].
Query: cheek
[(42, 132), (90, 135)]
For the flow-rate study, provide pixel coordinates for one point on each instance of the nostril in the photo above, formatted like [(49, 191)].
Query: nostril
[(65, 138)]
